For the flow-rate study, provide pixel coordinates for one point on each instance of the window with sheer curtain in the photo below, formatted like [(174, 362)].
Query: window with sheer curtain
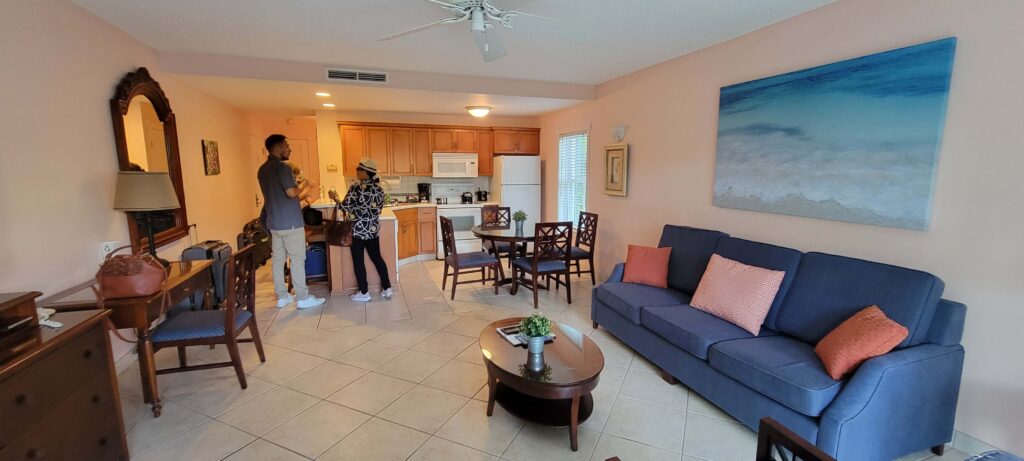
[(572, 176)]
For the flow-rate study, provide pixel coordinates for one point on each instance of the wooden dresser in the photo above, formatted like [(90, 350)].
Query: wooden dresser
[(58, 391)]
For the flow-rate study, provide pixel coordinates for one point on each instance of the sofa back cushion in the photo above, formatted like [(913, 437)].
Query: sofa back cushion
[(829, 289), (691, 250), (767, 256)]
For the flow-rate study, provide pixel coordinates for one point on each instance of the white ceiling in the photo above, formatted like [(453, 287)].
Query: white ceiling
[(299, 97), (601, 39)]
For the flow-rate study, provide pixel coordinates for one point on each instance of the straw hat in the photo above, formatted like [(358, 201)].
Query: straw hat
[(368, 164)]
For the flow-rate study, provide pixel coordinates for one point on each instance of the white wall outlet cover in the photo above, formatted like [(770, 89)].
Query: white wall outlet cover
[(107, 247)]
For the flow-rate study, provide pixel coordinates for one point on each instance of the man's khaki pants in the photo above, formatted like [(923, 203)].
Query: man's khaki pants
[(289, 244)]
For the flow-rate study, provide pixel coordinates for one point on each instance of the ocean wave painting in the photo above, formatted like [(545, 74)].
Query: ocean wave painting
[(854, 141)]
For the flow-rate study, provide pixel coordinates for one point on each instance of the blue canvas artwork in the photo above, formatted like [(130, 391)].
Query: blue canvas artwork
[(854, 141)]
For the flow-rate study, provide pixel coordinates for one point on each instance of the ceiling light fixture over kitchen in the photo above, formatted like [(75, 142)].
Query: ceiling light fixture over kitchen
[(323, 94), (327, 104), (479, 111)]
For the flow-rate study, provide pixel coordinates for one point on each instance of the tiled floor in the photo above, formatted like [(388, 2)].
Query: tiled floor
[(403, 379)]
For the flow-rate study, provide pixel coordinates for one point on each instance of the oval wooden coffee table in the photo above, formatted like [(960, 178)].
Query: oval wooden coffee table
[(558, 396)]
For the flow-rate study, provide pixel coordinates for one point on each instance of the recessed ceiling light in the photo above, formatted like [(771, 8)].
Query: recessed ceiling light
[(323, 94), (479, 111), (327, 104)]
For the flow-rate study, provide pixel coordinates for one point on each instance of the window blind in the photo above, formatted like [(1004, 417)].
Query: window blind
[(572, 176)]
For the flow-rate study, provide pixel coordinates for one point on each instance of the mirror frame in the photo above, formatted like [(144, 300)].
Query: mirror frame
[(140, 83)]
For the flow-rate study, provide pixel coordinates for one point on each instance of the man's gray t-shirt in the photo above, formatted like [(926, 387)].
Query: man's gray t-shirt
[(283, 212)]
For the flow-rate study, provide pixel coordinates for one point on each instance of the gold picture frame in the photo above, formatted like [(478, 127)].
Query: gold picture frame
[(616, 169)]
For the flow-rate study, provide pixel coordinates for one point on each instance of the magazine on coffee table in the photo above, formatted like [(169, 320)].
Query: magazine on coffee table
[(515, 338)]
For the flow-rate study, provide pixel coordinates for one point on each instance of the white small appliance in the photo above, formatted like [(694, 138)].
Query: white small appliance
[(464, 216), (516, 184), (455, 166)]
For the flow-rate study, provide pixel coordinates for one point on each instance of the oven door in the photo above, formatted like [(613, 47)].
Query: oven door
[(455, 165), (463, 221)]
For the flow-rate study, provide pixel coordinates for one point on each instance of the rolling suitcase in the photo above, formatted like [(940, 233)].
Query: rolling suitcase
[(220, 253)]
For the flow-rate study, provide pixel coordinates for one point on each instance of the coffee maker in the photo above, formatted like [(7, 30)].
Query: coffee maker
[(424, 192)]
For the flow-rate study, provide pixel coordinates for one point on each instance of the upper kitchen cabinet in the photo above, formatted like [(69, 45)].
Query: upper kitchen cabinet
[(517, 141), (403, 161), (353, 145), (485, 143), (454, 141), (378, 148), (424, 161)]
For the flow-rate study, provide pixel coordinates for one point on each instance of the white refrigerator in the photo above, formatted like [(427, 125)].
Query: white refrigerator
[(516, 184)]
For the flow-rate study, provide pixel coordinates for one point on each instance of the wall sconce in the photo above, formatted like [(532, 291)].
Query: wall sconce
[(619, 132)]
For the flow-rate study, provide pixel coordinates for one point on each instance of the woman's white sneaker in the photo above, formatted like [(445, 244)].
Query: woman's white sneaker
[(361, 297), (387, 294)]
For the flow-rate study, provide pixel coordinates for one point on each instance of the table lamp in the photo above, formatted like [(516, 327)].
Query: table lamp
[(142, 193)]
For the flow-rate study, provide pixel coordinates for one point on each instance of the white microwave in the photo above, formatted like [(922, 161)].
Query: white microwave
[(455, 165)]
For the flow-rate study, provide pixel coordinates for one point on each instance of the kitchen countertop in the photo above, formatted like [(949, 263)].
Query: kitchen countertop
[(327, 204)]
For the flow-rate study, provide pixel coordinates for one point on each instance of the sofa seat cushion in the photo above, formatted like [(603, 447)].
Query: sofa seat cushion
[(780, 367), (691, 329), (628, 299)]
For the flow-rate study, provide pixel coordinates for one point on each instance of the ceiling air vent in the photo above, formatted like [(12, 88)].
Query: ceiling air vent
[(356, 75)]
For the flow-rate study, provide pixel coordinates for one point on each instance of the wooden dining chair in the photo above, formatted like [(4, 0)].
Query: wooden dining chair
[(551, 251), (586, 235), (466, 263), (499, 217), (220, 326)]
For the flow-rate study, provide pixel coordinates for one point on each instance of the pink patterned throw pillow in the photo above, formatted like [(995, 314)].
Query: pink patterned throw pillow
[(737, 293)]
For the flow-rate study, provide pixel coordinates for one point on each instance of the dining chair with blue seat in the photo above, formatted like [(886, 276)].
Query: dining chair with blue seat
[(499, 217), (217, 326), (550, 259), (464, 263), (586, 236)]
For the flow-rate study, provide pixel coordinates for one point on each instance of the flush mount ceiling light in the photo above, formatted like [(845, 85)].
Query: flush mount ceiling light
[(327, 104), (479, 111), (323, 94)]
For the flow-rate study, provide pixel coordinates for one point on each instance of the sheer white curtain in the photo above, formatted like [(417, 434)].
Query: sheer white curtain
[(572, 175)]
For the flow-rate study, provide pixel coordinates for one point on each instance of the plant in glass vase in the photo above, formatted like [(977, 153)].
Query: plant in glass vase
[(536, 328)]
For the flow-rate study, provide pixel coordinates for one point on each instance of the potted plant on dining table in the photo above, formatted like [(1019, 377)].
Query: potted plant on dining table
[(519, 217)]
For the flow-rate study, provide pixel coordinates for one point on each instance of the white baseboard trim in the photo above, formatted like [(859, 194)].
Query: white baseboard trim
[(969, 444), (125, 361)]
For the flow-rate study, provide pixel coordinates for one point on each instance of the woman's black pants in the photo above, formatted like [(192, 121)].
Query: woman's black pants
[(372, 247)]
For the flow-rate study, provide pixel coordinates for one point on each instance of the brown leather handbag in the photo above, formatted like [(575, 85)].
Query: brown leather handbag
[(339, 233), (130, 276)]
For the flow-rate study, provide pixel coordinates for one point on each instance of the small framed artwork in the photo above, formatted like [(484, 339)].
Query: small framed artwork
[(616, 169), (211, 158)]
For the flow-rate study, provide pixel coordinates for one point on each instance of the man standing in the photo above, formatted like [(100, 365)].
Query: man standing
[(284, 221)]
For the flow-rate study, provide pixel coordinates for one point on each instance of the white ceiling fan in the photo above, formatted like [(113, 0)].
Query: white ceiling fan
[(478, 13)]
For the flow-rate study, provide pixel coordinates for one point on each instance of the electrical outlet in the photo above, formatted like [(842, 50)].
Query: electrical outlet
[(107, 247)]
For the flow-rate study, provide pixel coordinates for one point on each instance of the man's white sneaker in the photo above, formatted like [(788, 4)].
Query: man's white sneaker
[(387, 294), (361, 297), (282, 302), (309, 301)]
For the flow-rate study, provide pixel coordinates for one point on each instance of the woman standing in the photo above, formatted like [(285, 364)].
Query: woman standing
[(364, 201)]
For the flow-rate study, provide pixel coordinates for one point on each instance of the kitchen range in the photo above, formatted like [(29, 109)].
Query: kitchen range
[(459, 204)]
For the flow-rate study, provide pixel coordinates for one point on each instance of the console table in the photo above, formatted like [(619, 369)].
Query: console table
[(185, 278)]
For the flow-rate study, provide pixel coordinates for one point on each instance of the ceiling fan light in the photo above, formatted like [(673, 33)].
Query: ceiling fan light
[(479, 111)]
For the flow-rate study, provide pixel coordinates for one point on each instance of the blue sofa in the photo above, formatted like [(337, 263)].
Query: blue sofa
[(895, 404)]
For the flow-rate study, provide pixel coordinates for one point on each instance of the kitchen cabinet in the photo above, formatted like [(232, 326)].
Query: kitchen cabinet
[(378, 148), (408, 238), (353, 147), (485, 145), (403, 160), (463, 141), (428, 230), (422, 156), (517, 141)]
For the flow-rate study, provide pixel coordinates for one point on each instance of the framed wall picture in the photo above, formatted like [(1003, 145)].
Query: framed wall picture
[(211, 158), (616, 169)]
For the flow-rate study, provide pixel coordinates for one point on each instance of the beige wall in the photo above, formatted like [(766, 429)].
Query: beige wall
[(977, 231), (301, 133), (58, 162), (329, 138)]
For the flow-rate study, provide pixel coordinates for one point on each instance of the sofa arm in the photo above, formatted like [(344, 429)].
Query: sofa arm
[(617, 272), (895, 404), (947, 328)]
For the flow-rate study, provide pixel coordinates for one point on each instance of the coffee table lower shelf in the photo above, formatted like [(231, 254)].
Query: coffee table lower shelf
[(549, 412)]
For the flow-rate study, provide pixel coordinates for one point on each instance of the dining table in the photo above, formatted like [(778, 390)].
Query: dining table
[(516, 237)]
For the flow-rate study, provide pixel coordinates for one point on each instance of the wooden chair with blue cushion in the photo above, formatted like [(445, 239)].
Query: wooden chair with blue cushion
[(550, 259), (219, 326), (586, 235), (499, 217), (461, 264)]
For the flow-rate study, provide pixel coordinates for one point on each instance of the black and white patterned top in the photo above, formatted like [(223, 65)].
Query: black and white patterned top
[(364, 202)]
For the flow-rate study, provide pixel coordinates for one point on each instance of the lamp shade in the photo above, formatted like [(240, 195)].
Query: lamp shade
[(141, 191)]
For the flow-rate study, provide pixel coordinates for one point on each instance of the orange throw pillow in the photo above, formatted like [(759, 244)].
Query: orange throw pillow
[(647, 266), (868, 333), (737, 293)]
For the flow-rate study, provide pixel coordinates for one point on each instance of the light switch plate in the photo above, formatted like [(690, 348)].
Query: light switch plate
[(332, 168)]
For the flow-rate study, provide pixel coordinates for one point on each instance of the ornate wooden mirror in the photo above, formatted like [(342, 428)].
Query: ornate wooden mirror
[(147, 140)]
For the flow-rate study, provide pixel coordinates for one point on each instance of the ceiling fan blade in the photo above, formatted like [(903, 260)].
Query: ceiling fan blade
[(489, 44), (422, 28), (445, 4), (520, 13)]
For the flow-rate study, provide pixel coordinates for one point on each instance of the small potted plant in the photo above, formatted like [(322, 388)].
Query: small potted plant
[(536, 328), (519, 216)]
